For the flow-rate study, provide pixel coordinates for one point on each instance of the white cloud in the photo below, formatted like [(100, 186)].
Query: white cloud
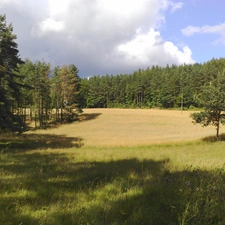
[(121, 7), (141, 43), (106, 16), (190, 30), (180, 56), (176, 6), (48, 25), (149, 48), (217, 29)]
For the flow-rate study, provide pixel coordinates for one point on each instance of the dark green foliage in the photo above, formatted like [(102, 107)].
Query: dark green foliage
[(10, 82), (48, 99), (169, 87), (36, 98), (65, 93)]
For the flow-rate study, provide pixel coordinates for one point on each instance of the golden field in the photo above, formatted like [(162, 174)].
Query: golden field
[(133, 127)]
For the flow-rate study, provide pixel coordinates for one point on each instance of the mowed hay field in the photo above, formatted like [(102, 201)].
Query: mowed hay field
[(133, 127)]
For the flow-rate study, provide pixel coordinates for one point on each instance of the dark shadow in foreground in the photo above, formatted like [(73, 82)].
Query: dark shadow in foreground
[(28, 142)]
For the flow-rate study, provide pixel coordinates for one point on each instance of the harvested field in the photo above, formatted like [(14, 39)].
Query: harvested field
[(132, 127)]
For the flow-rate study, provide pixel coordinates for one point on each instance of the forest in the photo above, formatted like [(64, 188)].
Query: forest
[(163, 87), (35, 92)]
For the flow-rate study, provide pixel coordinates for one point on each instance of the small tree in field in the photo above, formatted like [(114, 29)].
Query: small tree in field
[(212, 99)]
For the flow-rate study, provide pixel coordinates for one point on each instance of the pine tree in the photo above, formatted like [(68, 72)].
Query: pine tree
[(10, 82), (65, 93)]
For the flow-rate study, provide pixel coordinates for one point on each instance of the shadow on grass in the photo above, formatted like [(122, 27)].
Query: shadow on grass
[(27, 142), (54, 124), (214, 139), (126, 191), (89, 116)]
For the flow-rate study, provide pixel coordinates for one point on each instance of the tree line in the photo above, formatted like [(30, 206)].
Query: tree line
[(163, 87)]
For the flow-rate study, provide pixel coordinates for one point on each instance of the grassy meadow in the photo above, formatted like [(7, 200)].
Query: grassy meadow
[(113, 167)]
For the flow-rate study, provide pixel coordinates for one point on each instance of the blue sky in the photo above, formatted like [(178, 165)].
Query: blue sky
[(117, 36), (199, 14)]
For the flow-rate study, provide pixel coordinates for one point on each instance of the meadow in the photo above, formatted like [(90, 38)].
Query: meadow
[(114, 166)]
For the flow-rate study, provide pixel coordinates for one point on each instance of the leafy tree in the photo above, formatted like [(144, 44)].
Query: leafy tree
[(212, 99), (10, 82)]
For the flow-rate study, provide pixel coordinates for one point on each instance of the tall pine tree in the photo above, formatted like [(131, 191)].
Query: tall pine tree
[(10, 82)]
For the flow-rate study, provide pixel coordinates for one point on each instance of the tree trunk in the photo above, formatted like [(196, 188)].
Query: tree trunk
[(218, 126), (217, 131)]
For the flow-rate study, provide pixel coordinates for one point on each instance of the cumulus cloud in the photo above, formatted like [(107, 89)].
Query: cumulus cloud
[(147, 49), (184, 56), (217, 29), (98, 36)]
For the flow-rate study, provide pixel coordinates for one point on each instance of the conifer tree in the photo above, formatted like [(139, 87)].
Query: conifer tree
[(65, 93), (10, 82)]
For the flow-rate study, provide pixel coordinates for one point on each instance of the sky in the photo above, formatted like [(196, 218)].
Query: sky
[(117, 36)]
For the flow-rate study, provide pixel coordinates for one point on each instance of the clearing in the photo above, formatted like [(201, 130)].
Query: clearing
[(133, 127)]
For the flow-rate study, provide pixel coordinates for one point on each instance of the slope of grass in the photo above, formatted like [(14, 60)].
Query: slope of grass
[(48, 178)]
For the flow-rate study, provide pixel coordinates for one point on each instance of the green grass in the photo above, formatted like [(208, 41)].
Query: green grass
[(47, 181)]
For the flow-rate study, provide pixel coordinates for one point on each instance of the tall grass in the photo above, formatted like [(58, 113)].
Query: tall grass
[(64, 182)]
